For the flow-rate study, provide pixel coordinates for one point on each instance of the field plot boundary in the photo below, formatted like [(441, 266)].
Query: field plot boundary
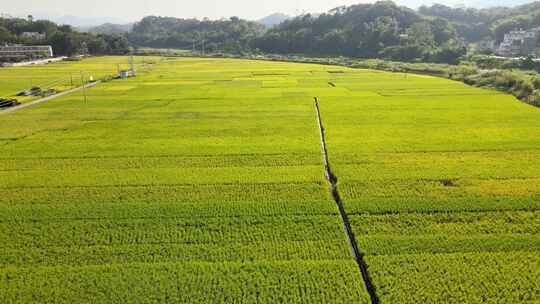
[(41, 100), (332, 180)]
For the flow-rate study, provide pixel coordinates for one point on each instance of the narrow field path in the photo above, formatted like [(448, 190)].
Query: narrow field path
[(332, 180), (44, 99)]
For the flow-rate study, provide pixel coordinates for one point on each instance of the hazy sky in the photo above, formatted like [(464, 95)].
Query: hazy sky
[(134, 9)]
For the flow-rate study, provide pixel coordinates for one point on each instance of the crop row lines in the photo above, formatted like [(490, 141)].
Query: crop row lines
[(162, 185)]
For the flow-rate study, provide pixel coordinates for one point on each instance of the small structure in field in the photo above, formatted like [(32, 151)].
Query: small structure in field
[(125, 74)]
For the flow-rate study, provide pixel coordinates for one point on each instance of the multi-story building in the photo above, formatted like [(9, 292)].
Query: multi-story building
[(520, 43), (25, 52)]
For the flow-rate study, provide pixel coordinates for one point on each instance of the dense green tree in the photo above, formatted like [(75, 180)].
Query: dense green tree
[(5, 35), (475, 25), (420, 34), (64, 43), (98, 45), (403, 52), (505, 26), (230, 34), (382, 29), (449, 53)]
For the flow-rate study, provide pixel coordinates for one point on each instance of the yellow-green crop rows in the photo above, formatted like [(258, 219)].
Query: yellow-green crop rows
[(201, 181), (181, 185), (64, 75), (441, 184)]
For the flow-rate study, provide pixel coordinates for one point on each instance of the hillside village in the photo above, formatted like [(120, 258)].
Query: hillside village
[(520, 43)]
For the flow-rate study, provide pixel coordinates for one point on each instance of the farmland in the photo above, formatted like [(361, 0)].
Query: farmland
[(441, 186), (182, 184), (201, 181), (61, 75)]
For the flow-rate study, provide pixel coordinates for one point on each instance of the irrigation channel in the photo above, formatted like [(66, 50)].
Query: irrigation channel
[(332, 180)]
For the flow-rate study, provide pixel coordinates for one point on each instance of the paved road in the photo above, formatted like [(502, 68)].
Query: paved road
[(35, 102)]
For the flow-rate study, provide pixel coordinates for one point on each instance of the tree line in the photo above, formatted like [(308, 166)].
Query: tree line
[(475, 25), (232, 34), (63, 38), (435, 33), (383, 30), (379, 30)]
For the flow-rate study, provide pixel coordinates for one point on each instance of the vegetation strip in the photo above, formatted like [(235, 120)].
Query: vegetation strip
[(332, 180)]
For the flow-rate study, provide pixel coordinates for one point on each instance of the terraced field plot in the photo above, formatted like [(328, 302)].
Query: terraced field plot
[(188, 184), (202, 182)]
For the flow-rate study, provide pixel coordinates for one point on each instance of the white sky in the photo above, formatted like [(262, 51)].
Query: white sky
[(135, 9), (132, 10)]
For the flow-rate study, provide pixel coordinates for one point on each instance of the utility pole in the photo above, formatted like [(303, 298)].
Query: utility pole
[(132, 64), (203, 46), (83, 87), (201, 38)]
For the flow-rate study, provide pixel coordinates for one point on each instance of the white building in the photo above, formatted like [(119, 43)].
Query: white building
[(519, 43), (33, 35), (24, 52)]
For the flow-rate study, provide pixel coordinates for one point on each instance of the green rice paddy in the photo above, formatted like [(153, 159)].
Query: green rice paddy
[(63, 75), (201, 181)]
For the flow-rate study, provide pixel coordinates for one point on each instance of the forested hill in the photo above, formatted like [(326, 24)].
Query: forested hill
[(167, 32), (382, 29), (379, 30), (109, 29), (63, 38), (489, 23), (273, 19)]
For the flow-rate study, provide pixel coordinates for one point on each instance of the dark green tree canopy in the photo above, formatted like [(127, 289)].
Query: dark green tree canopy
[(382, 29), (227, 34), (63, 39)]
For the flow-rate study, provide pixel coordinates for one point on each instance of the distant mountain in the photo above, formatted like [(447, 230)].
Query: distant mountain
[(78, 21), (494, 3), (465, 3), (108, 28), (273, 19)]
